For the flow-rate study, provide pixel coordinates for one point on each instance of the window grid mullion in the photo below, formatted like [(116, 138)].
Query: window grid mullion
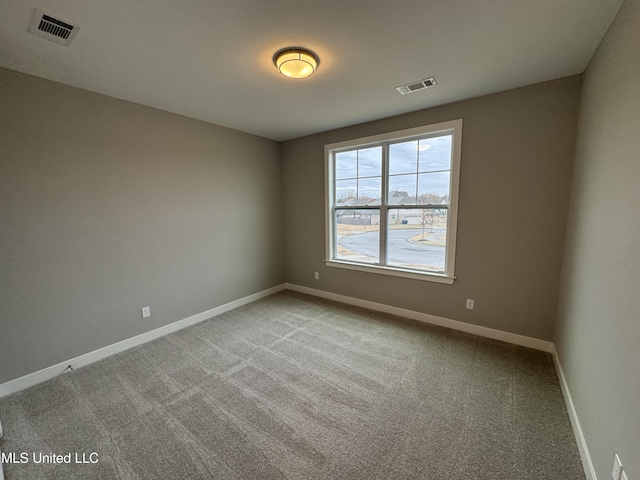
[(417, 170)]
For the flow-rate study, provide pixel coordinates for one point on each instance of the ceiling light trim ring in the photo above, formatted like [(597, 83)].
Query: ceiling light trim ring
[(296, 62)]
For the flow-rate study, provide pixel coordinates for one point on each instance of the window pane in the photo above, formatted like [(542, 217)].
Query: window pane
[(347, 164), (433, 188), (402, 189), (369, 191), (370, 162), (403, 157), (358, 235), (416, 239), (346, 191), (435, 153)]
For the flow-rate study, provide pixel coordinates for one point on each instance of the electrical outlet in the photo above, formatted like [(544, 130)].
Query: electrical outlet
[(617, 467), (470, 303), (146, 312), (624, 475), (317, 276)]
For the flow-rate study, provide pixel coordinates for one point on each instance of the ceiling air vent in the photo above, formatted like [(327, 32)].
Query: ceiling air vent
[(51, 28), (416, 86)]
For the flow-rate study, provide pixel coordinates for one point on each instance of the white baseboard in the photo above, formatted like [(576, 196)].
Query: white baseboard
[(587, 464), (431, 319), (48, 373)]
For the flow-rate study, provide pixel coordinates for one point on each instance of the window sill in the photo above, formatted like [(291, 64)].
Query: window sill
[(395, 272)]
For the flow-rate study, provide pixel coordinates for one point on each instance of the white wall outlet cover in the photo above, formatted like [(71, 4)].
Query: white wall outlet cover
[(317, 276), (470, 303), (617, 467), (146, 312)]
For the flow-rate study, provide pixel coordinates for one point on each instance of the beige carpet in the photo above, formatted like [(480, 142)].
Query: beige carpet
[(294, 387)]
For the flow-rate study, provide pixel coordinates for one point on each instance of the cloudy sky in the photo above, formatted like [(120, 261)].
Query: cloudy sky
[(416, 167)]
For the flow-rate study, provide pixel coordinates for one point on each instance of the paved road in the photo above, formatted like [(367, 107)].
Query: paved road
[(400, 249)]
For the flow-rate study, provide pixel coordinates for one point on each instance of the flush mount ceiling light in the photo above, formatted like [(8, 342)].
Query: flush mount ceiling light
[(296, 62)]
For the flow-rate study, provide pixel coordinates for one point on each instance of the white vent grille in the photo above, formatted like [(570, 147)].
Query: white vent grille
[(416, 86), (51, 28)]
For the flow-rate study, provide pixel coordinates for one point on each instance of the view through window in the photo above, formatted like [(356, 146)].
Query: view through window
[(392, 203)]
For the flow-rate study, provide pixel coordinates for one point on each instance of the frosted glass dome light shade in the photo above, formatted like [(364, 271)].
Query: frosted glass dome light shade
[(296, 62)]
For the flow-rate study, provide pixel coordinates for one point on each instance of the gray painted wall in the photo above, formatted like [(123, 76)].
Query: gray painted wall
[(517, 152), (598, 326), (107, 206)]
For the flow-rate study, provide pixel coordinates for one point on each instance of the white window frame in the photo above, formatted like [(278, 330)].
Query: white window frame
[(453, 127)]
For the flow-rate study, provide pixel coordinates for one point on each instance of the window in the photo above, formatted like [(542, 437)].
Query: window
[(392, 202)]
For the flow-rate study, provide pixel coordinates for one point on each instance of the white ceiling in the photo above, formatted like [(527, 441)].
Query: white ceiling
[(212, 60)]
